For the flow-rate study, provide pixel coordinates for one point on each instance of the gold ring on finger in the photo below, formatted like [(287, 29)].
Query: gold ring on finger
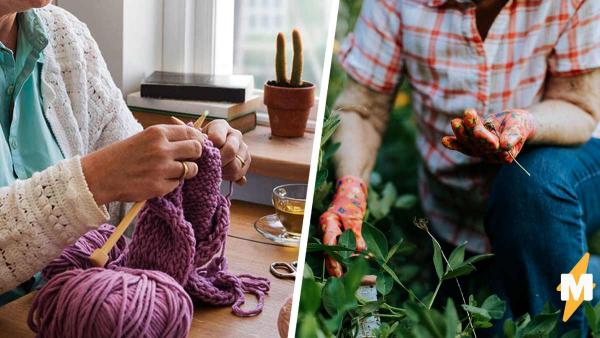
[(185, 170), (241, 160)]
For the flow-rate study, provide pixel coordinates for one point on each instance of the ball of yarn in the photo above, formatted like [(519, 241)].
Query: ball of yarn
[(77, 255), (111, 303)]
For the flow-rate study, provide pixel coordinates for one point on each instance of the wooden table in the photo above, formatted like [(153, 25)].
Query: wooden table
[(247, 252)]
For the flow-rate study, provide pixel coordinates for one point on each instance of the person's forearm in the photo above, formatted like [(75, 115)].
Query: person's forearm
[(561, 123), (363, 114), (359, 142), (40, 216), (569, 112)]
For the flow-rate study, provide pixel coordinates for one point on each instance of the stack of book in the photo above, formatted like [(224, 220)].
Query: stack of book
[(186, 96)]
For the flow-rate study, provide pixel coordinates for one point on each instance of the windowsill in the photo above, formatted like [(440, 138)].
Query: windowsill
[(284, 158)]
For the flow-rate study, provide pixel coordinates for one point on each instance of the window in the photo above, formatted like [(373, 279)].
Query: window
[(257, 24), (225, 36)]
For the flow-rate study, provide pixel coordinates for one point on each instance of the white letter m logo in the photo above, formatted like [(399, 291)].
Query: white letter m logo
[(571, 290)]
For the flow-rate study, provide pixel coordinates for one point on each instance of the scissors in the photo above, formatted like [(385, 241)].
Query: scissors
[(284, 270)]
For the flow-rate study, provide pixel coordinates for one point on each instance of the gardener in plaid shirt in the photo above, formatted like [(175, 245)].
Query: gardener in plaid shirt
[(487, 78)]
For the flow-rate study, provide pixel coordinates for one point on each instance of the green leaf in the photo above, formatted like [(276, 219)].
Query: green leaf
[(308, 327), (478, 258), (456, 257), (494, 306), (347, 240), (592, 314), (396, 279), (509, 328), (321, 193), (389, 195), (329, 127), (384, 330), (310, 296), (437, 260), (453, 325), (481, 314), (393, 250), (406, 201), (461, 270), (541, 325), (334, 296), (354, 275), (376, 241), (385, 283), (308, 273), (369, 307), (330, 150), (381, 204), (315, 247)]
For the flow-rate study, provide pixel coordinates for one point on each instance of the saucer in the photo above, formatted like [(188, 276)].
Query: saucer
[(271, 228)]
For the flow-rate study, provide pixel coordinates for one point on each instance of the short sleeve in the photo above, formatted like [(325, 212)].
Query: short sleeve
[(578, 47), (371, 54)]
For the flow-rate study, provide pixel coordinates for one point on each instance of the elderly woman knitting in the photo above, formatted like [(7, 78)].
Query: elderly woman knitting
[(70, 150)]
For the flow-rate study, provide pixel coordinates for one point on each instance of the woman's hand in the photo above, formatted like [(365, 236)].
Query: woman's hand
[(347, 210), (235, 157), (499, 138), (143, 166)]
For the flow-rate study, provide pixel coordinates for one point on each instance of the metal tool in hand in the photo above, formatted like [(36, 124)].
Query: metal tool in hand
[(284, 270)]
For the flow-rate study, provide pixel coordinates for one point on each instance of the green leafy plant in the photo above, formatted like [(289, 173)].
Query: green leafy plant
[(413, 271), (408, 303)]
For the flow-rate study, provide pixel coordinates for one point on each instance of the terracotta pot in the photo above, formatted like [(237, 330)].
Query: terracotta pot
[(288, 108)]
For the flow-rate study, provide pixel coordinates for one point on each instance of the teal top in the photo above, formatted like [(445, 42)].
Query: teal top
[(27, 145)]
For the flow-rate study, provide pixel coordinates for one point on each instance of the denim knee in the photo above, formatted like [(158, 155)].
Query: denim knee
[(521, 207)]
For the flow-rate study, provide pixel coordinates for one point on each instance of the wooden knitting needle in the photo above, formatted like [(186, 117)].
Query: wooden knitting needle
[(99, 257), (197, 125)]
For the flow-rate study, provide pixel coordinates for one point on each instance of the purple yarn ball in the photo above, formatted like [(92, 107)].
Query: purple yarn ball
[(111, 303)]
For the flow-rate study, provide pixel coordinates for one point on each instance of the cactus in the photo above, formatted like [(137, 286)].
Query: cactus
[(280, 63), (296, 79)]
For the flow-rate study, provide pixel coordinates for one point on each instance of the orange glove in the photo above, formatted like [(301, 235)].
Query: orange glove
[(497, 139), (348, 210)]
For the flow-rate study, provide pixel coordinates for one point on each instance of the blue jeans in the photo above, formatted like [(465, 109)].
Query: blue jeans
[(538, 226)]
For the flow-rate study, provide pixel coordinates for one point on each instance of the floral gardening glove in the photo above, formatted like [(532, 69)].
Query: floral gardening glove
[(499, 138), (348, 210)]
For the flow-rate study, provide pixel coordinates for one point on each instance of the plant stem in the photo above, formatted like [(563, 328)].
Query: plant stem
[(437, 288), (455, 278)]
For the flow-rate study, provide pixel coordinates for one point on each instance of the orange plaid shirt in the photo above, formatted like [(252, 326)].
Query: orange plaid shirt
[(436, 46)]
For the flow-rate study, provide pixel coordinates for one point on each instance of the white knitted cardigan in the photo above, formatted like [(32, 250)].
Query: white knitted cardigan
[(41, 215)]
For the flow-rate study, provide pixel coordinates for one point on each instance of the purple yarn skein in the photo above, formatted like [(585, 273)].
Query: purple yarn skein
[(101, 303)]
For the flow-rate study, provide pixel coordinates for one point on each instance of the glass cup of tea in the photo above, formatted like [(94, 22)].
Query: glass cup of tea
[(285, 226), (289, 200)]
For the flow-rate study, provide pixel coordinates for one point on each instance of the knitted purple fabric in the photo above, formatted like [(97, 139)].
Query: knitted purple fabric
[(182, 234), (191, 223)]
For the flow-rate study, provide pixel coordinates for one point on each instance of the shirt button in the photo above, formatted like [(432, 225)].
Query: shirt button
[(13, 143), (10, 90)]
